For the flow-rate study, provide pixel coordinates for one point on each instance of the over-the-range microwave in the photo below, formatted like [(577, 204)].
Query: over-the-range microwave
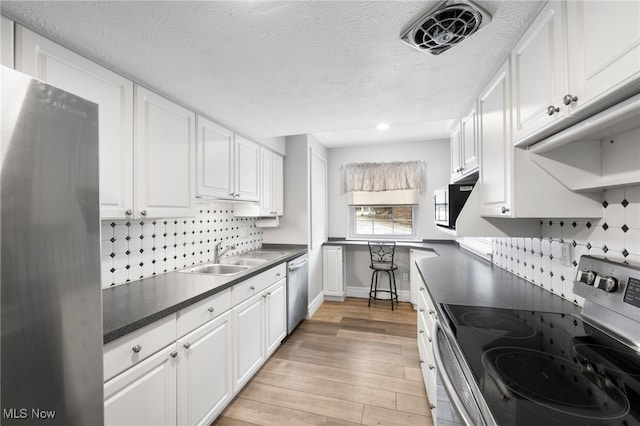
[(448, 202)]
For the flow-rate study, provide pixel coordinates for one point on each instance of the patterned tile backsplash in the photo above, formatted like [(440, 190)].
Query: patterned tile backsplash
[(538, 259), (135, 249)]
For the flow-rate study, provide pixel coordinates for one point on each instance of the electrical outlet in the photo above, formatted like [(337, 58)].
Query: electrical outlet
[(567, 254), (405, 276)]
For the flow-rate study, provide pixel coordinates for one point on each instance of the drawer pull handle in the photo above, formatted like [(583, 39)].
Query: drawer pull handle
[(421, 288), (421, 310), (252, 288), (432, 406), (431, 312), (174, 354), (211, 309), (136, 349), (421, 331), (421, 361), (432, 367), (187, 345)]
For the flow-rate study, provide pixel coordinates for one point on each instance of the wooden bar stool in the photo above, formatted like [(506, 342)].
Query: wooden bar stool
[(381, 253)]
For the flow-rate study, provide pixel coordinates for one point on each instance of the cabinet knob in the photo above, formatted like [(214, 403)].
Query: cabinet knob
[(552, 110), (505, 210), (421, 288), (211, 309), (278, 274), (128, 212), (432, 406), (143, 213), (421, 361), (174, 354), (429, 339), (421, 331), (431, 312), (187, 345), (421, 310), (252, 288), (569, 99), (264, 296), (136, 349), (432, 367)]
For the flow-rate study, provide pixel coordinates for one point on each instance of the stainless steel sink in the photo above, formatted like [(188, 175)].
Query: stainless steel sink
[(216, 269)]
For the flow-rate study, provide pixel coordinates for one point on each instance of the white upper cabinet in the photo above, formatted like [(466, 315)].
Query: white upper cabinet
[(246, 170), (578, 58), (164, 157), (215, 160), (469, 142), (228, 165), (50, 62), (603, 49), (538, 67), (7, 46), (464, 146), (494, 124), (510, 184), (271, 193)]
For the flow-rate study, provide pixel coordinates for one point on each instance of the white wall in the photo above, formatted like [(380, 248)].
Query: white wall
[(277, 144), (436, 153)]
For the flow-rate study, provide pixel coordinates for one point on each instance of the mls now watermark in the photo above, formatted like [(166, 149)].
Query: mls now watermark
[(25, 413)]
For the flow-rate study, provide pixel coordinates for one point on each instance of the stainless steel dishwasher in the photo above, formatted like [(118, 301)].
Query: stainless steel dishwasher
[(297, 291)]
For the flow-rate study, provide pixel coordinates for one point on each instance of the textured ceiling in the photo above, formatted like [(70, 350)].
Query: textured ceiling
[(268, 68)]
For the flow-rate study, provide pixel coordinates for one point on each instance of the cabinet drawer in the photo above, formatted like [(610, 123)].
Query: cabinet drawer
[(256, 284), (199, 313), (134, 347)]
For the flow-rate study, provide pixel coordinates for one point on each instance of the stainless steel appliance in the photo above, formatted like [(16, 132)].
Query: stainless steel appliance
[(297, 291), (524, 367), (51, 347), (448, 202)]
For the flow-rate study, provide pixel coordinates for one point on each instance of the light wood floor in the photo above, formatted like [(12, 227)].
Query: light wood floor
[(349, 364)]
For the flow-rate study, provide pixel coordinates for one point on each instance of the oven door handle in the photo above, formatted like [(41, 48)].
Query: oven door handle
[(446, 380)]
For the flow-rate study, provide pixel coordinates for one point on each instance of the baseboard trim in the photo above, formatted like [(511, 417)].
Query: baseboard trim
[(363, 293), (315, 305)]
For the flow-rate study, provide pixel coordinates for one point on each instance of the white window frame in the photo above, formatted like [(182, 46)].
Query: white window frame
[(398, 237)]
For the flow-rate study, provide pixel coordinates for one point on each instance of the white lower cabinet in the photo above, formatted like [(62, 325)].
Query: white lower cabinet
[(204, 372), (144, 394), (333, 276), (184, 369), (259, 324), (248, 340)]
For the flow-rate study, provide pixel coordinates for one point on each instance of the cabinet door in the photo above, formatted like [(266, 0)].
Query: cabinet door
[(205, 372), (333, 273), (494, 112), (248, 340), (469, 142), (277, 184), (247, 169), (266, 184), (144, 394), (604, 48), (456, 159), (215, 160), (276, 315), (50, 62), (164, 157), (6, 35), (538, 69)]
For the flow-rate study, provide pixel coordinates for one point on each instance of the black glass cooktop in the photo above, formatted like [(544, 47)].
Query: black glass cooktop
[(539, 368)]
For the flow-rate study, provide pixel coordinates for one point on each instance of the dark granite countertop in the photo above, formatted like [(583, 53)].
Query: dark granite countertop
[(457, 276), (421, 245), (131, 306)]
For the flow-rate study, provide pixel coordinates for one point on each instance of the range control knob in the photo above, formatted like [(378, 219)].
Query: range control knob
[(608, 284), (587, 277)]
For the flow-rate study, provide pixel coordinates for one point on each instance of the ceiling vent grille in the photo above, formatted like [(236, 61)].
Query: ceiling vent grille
[(448, 24)]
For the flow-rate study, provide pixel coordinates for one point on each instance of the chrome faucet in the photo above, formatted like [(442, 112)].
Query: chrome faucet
[(217, 254)]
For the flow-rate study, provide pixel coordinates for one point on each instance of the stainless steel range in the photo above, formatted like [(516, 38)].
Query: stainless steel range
[(523, 367)]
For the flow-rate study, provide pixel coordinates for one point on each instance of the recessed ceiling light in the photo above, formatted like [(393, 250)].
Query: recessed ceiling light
[(382, 126)]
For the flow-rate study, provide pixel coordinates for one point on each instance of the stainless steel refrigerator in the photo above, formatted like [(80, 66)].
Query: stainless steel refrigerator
[(51, 306)]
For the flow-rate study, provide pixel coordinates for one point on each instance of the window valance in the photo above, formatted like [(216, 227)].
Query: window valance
[(386, 176)]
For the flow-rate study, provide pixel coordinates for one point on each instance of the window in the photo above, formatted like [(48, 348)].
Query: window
[(382, 222)]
